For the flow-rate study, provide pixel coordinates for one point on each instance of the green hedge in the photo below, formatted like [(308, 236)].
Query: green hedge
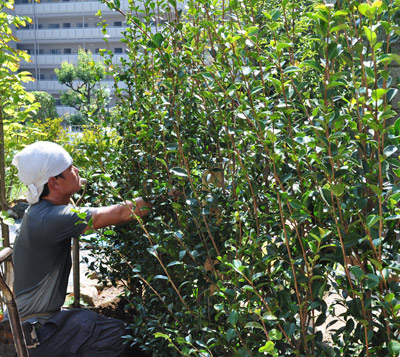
[(274, 119)]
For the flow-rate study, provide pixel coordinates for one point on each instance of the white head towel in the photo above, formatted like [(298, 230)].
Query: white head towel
[(37, 163)]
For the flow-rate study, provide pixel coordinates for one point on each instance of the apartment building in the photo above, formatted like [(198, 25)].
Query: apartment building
[(58, 30)]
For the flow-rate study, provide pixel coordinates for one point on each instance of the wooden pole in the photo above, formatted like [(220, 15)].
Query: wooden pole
[(76, 271), (9, 298)]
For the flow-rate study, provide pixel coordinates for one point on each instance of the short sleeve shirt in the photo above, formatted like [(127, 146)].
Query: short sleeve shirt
[(42, 255)]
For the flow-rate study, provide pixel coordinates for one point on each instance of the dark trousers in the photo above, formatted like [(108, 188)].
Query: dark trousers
[(80, 332)]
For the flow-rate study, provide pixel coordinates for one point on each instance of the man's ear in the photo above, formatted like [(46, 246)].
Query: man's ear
[(52, 183)]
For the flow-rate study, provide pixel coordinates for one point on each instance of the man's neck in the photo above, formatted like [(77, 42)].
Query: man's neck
[(58, 201)]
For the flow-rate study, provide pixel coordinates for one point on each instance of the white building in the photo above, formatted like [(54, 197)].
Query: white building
[(59, 29)]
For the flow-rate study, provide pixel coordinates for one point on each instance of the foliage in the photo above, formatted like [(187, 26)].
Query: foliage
[(76, 119), (15, 103), (85, 93), (274, 119), (47, 108), (93, 149)]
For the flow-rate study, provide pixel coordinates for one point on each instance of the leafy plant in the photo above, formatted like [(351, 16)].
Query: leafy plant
[(274, 119), (15, 103), (47, 108)]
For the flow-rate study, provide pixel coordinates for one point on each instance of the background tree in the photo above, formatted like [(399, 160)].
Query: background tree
[(15, 102), (47, 108), (85, 93)]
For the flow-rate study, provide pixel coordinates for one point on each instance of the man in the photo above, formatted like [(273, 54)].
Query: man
[(42, 256)]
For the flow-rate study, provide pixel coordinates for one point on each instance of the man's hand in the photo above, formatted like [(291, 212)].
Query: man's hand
[(142, 208), (174, 193)]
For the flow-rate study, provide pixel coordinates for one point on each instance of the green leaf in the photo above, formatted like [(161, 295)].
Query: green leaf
[(254, 325), (178, 171), (389, 150), (162, 335), (6, 219), (233, 4), (333, 50), (372, 281), (275, 335), (252, 30), (282, 45), (367, 10), (267, 15), (176, 262), (233, 317), (313, 64), (376, 189), (396, 57), (109, 232), (237, 263), (378, 93), (230, 334), (357, 272), (393, 218), (337, 189), (292, 69), (394, 348), (372, 219), (296, 204), (158, 39), (371, 36), (268, 347), (389, 297), (162, 277)]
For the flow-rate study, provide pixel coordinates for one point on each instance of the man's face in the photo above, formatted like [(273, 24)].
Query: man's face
[(70, 180)]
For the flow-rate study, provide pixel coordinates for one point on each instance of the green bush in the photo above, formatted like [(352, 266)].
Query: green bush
[(274, 119)]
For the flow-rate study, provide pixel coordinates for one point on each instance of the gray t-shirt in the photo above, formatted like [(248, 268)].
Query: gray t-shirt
[(42, 256)]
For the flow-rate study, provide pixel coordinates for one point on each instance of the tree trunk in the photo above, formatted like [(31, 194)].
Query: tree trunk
[(3, 197)]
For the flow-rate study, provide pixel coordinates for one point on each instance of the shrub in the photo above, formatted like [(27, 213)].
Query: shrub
[(274, 119)]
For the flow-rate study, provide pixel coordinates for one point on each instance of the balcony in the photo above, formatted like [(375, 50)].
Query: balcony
[(69, 35), (54, 61), (63, 9), (54, 87)]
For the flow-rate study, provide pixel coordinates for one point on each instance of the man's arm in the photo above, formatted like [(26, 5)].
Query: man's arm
[(118, 214)]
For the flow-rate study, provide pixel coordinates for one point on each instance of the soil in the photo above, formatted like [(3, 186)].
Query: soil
[(111, 304)]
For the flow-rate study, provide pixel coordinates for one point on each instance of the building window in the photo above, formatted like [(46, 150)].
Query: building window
[(39, 26), (55, 51), (117, 23), (118, 50), (42, 77), (39, 52), (53, 77), (80, 25), (54, 26), (66, 25), (67, 51)]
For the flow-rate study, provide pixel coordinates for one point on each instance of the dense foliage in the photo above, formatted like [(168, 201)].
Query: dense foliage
[(15, 103), (274, 119), (47, 109)]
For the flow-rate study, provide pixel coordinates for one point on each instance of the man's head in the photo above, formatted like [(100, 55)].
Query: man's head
[(37, 163)]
